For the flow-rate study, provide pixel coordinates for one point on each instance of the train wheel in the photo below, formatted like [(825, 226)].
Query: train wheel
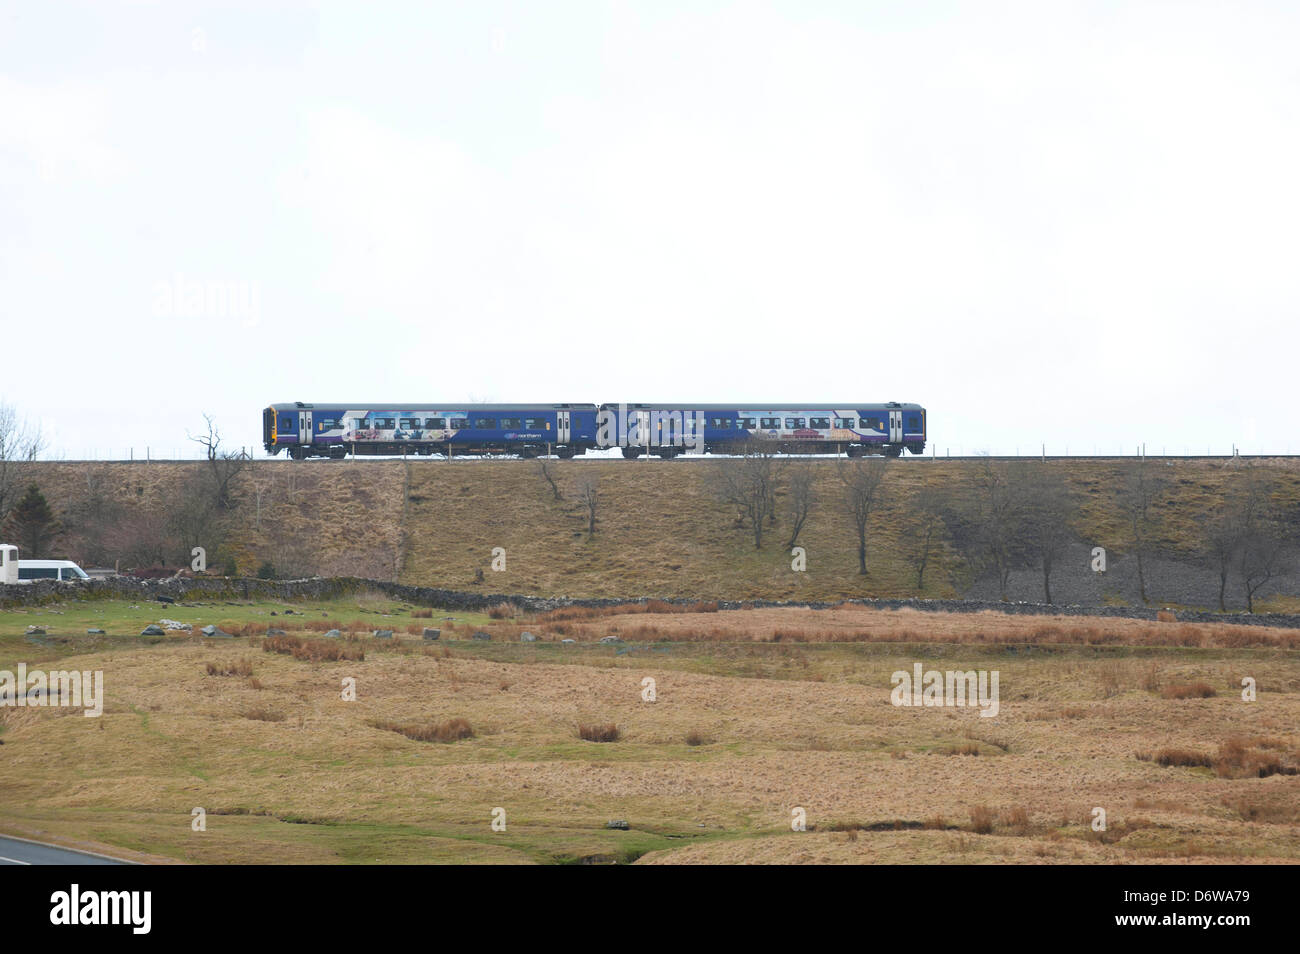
[(631, 453), (564, 453), (894, 450), (855, 450)]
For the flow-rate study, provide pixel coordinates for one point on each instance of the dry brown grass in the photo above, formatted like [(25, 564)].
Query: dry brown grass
[(263, 714), (314, 650), (981, 820), (1188, 690), (598, 732), (239, 667), (836, 747), (858, 624), (452, 730)]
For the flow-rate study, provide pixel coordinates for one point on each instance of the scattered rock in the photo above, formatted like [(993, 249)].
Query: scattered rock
[(35, 631), (383, 634), (95, 632), (481, 635), (164, 599), (333, 634), (152, 630), (275, 632), (568, 640), (618, 824), (174, 624), (610, 639), (216, 632), (432, 633), (527, 638)]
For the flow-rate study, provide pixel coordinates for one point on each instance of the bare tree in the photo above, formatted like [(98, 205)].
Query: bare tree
[(923, 528), (862, 478), (1045, 516), (1262, 544), (544, 469), (20, 442), (589, 497), (1138, 494), (750, 485), (223, 465), (985, 521), (801, 498)]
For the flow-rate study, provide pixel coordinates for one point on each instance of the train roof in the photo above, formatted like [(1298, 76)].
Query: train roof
[(447, 406), (759, 405)]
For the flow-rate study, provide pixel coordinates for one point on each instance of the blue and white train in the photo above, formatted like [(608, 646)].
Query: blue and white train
[(565, 430)]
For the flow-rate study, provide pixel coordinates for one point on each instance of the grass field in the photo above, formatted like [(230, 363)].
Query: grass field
[(757, 713)]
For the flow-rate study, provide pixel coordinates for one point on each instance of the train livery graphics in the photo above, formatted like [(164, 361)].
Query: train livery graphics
[(530, 430)]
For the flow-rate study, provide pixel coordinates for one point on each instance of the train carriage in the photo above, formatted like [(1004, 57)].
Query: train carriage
[(667, 430), (335, 430)]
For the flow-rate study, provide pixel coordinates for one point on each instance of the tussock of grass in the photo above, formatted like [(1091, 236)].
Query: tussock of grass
[(242, 667), (452, 730), (315, 650), (263, 714), (1188, 690), (981, 820), (606, 732)]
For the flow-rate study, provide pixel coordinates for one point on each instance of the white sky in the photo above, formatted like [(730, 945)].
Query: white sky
[(1076, 223)]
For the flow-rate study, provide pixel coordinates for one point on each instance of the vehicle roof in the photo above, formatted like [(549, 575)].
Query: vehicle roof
[(769, 406), (46, 563), (462, 406)]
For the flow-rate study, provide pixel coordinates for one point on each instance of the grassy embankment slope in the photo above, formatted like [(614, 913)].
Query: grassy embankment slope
[(661, 532)]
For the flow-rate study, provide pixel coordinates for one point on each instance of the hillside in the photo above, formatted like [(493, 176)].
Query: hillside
[(661, 529)]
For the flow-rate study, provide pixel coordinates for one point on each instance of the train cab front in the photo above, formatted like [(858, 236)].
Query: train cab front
[(278, 430)]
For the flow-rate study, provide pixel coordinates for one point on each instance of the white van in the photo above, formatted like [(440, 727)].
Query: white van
[(29, 571)]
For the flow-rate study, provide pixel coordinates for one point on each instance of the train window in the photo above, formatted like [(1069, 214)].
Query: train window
[(286, 422), (748, 423), (535, 424), (458, 422), (771, 422), (438, 422), (410, 423), (511, 423), (843, 422), (793, 423), (871, 424), (485, 423), (358, 423), (385, 423), (820, 423), (913, 423), (328, 424)]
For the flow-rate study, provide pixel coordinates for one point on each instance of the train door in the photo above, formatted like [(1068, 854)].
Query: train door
[(304, 428), (895, 427), (641, 433), (563, 427)]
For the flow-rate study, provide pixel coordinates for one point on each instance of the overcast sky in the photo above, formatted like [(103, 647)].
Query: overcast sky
[(1065, 222)]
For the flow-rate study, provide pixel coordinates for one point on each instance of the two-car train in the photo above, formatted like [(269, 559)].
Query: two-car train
[(565, 430)]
